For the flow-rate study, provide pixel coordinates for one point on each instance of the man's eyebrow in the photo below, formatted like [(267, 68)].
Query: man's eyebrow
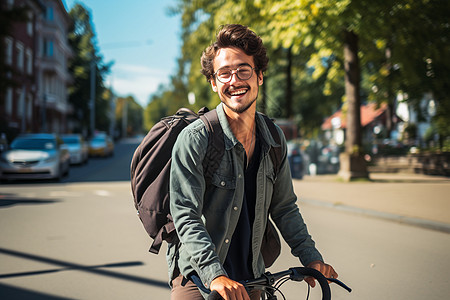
[(235, 66)]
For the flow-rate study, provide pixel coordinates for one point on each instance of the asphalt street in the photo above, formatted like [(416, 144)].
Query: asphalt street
[(81, 238)]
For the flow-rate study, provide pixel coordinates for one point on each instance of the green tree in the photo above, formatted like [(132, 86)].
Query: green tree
[(283, 94), (129, 116), (86, 62), (377, 48), (333, 29), (167, 101), (409, 52)]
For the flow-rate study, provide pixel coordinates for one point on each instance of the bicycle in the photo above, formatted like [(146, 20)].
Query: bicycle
[(270, 283)]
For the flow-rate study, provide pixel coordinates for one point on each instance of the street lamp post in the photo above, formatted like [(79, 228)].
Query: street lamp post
[(92, 100)]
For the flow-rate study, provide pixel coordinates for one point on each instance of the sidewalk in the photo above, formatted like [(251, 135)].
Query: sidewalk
[(414, 199)]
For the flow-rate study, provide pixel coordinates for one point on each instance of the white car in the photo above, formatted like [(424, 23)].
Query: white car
[(35, 156), (78, 148)]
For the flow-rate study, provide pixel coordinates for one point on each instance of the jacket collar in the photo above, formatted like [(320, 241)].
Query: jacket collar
[(231, 141)]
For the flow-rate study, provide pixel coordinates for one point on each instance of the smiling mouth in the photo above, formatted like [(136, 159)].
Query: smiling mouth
[(238, 91)]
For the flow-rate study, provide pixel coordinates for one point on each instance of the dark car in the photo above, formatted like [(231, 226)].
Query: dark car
[(295, 159), (35, 156)]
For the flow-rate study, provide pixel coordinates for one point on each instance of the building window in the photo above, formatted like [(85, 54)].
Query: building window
[(8, 51), (48, 44), (20, 103), (30, 24), (49, 13), (29, 107), (20, 56), (9, 101), (29, 61)]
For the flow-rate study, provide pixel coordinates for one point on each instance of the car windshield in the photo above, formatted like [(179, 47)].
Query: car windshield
[(71, 140), (33, 144), (98, 140)]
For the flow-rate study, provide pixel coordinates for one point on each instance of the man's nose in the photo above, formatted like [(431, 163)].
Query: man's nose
[(234, 77)]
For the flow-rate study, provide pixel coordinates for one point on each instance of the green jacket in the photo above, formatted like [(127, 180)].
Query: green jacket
[(205, 216)]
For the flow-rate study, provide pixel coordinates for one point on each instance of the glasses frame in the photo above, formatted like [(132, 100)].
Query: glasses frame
[(234, 71)]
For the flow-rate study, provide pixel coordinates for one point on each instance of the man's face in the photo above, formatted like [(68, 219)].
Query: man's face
[(237, 95)]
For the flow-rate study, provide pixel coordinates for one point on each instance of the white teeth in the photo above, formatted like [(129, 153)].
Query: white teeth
[(238, 92)]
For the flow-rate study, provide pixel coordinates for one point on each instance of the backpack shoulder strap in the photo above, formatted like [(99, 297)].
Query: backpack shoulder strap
[(216, 144), (275, 152)]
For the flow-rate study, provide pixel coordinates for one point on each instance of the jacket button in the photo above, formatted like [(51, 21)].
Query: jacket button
[(235, 208), (227, 241), (222, 183)]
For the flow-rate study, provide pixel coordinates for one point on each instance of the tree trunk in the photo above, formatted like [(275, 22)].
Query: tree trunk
[(289, 94), (262, 107), (352, 162), (390, 92)]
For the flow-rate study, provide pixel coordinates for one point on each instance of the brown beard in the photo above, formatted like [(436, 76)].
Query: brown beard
[(245, 108), (241, 109)]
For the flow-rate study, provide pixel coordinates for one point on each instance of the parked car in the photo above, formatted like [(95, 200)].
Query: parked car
[(295, 159), (35, 156), (78, 148), (101, 145)]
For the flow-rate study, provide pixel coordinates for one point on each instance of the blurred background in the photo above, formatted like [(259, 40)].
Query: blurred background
[(360, 89), (344, 76), (365, 79)]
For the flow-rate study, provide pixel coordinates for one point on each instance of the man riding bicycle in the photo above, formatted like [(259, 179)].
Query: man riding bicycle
[(220, 223)]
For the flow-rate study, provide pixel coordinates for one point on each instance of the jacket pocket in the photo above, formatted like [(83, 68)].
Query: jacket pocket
[(219, 195), (223, 182)]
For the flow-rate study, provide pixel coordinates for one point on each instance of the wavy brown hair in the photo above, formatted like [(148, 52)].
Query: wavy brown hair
[(236, 36)]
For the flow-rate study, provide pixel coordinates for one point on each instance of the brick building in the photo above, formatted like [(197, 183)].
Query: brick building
[(36, 53)]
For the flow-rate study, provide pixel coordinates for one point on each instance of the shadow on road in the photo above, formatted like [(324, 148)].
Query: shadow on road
[(17, 293), (7, 200)]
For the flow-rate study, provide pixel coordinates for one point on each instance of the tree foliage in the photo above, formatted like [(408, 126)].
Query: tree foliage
[(134, 116), (86, 61), (401, 47)]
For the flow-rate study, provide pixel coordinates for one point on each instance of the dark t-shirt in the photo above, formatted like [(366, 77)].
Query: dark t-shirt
[(238, 262)]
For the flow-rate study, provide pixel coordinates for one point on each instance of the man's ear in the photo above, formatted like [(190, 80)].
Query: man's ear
[(213, 85), (260, 78)]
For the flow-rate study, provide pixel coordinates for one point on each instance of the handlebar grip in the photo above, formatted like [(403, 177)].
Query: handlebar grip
[(340, 283), (326, 292), (215, 296)]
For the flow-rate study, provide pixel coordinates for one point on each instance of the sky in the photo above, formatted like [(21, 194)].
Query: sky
[(140, 38)]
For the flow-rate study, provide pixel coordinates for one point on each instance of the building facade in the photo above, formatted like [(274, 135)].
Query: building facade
[(36, 52), (53, 78)]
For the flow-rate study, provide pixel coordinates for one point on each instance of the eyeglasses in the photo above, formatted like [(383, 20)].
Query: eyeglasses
[(224, 75)]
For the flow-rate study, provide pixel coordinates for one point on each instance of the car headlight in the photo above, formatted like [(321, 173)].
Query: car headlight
[(51, 158)]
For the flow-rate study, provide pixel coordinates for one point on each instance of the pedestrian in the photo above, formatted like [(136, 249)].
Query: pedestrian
[(220, 224)]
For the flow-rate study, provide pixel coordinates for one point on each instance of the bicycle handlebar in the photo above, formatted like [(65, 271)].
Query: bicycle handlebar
[(295, 274)]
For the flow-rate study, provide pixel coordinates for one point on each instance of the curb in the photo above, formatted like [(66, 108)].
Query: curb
[(427, 224)]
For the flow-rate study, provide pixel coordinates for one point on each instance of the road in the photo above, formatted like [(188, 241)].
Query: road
[(81, 239)]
